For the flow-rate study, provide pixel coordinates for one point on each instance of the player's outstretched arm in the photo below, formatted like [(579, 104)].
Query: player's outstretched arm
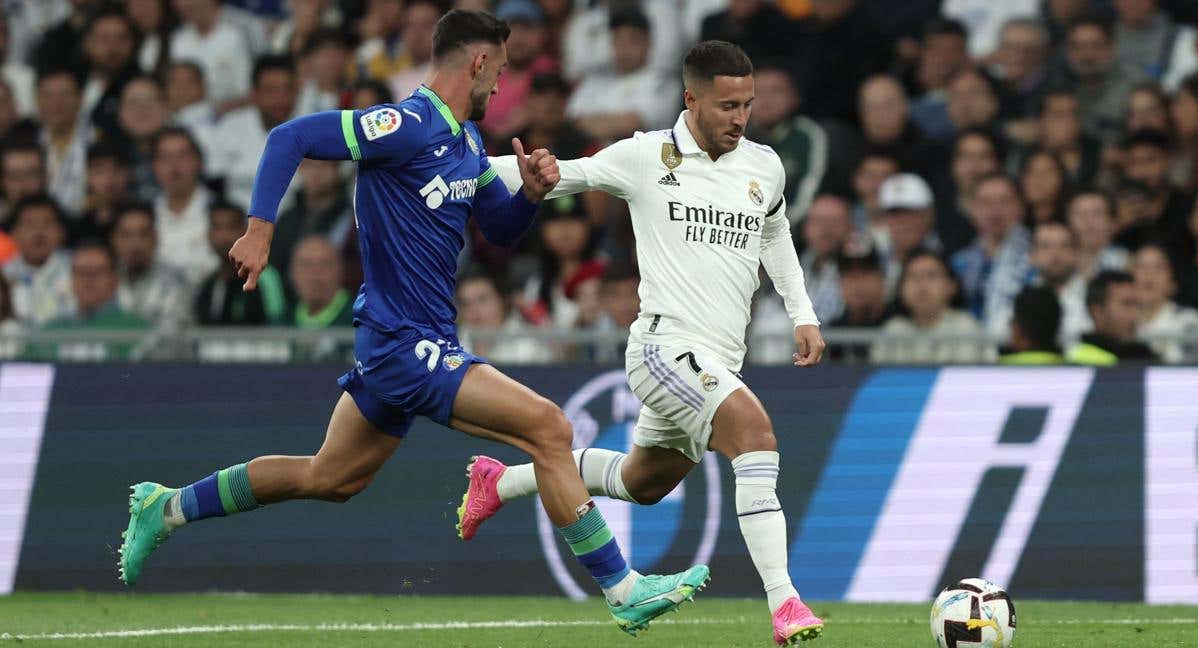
[(614, 170), (781, 263), (503, 218)]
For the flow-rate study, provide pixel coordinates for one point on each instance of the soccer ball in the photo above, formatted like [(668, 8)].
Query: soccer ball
[(973, 613)]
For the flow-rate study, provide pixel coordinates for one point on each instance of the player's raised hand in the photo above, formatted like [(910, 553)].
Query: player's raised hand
[(810, 345), (250, 252), (539, 171)]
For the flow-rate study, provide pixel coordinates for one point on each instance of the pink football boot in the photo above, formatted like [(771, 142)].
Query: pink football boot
[(794, 622), (481, 500)]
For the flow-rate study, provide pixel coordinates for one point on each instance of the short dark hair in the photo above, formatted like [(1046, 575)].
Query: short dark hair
[(550, 82), (712, 58), (1056, 223), (628, 17), (128, 209), (1147, 137), (1094, 17), (47, 73), (1100, 286), (478, 273), (325, 36), (1037, 313), (1051, 93), (100, 244), (37, 200), (109, 11), (996, 142), (459, 28), (189, 65), (940, 26), (377, 87), (107, 150), (272, 63), (1091, 191), (868, 262), (222, 204), (999, 176), (175, 131), (22, 145)]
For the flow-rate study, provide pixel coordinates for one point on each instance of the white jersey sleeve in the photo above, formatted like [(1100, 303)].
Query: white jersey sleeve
[(781, 261), (615, 170)]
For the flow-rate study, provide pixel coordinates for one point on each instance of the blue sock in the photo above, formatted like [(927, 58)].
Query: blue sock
[(596, 548), (219, 494)]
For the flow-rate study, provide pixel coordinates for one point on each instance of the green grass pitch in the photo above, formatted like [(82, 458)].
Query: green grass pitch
[(85, 619)]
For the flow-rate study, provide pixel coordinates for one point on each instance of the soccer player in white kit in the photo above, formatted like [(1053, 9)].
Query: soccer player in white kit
[(707, 209)]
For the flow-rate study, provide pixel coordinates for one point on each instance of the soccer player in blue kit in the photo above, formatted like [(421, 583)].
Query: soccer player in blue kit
[(421, 174)]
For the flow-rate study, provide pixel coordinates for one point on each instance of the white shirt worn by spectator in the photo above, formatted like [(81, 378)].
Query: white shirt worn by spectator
[(161, 296), (43, 294), (513, 344), (646, 92), (702, 227), (183, 236), (222, 54), (66, 168), (234, 147), (1172, 320), (586, 45), (1075, 319), (926, 348), (20, 80), (1184, 60), (9, 346), (984, 19)]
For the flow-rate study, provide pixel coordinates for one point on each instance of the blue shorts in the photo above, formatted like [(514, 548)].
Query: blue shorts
[(400, 376)]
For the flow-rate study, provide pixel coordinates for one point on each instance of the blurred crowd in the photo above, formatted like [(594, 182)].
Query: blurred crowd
[(1023, 169)]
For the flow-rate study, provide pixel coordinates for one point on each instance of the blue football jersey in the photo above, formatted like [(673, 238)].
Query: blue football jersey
[(418, 173)]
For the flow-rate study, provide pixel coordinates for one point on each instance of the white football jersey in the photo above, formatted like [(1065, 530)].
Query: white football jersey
[(701, 228)]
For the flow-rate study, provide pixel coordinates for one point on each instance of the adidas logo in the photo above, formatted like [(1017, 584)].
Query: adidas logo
[(669, 180)]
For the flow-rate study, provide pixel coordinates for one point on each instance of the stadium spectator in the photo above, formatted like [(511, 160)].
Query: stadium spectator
[(567, 259), (1187, 262), (910, 220), (826, 231), (1060, 132), (316, 278), (304, 19), (10, 326), (93, 290), (489, 327), (181, 210), (154, 21), (837, 49), (220, 300), (380, 54), (863, 289), (620, 302), (1144, 36), (325, 64), (220, 49), (185, 97), (18, 76), (1021, 61), (8, 111), (322, 207), (507, 113), (109, 39), (143, 113), (993, 268), (154, 291), (236, 143), (984, 20), (886, 121), (928, 307), (799, 141), (62, 45), (1148, 109), (108, 186), (875, 166), (1115, 309), (1043, 180), (942, 57), (416, 37), (547, 98), (976, 154), (759, 28), (366, 93), (1148, 207), (1054, 266), (1035, 324), (1156, 286), (1096, 77), (64, 136), (1091, 216), (40, 273), (587, 45), (22, 173), (973, 102), (1184, 115)]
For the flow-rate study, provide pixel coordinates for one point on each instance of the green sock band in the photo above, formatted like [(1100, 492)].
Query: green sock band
[(233, 484), (587, 534)]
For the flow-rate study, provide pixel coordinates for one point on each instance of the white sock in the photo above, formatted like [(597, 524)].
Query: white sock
[(172, 512), (600, 471), (762, 522), (618, 593)]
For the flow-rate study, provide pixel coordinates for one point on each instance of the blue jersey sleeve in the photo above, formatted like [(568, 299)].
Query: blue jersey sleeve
[(503, 218), (376, 133)]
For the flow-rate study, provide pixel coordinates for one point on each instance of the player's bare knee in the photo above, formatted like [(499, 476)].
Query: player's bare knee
[(346, 490), (554, 434), (649, 494)]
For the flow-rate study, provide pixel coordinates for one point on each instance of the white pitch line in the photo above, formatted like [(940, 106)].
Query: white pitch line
[(472, 625)]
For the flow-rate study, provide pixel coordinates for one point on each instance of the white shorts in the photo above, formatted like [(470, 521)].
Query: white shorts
[(680, 389)]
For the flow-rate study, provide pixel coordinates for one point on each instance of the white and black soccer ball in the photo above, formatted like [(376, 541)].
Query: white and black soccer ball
[(973, 613)]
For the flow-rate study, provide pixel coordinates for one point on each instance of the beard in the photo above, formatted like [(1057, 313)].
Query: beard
[(478, 106)]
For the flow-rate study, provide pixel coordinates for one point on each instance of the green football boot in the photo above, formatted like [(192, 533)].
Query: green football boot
[(653, 596), (147, 528)]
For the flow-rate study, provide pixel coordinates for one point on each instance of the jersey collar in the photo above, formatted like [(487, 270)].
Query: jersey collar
[(454, 126), (685, 141)]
